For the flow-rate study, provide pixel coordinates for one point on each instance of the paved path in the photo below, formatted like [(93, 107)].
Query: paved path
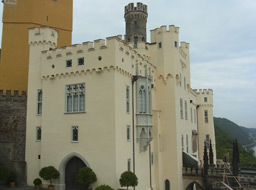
[(5, 187)]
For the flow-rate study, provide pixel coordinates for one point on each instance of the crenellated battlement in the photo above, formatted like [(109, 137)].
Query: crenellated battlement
[(96, 56), (43, 34), (142, 8), (184, 45), (203, 91), (10, 94), (88, 46), (164, 29)]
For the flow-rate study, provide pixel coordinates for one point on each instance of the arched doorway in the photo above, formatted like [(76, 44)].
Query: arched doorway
[(71, 170), (167, 184), (194, 186)]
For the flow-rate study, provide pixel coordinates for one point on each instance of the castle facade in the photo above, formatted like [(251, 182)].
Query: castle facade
[(115, 105)]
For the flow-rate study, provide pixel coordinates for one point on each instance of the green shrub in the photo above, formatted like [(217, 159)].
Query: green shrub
[(49, 173), (12, 176), (104, 187), (128, 179), (4, 173), (37, 181), (86, 176)]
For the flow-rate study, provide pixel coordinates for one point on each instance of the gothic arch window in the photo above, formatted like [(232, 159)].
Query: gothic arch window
[(149, 100), (167, 184), (142, 100)]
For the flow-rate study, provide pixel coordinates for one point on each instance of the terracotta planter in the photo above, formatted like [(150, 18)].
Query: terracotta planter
[(37, 187), (12, 184), (50, 187)]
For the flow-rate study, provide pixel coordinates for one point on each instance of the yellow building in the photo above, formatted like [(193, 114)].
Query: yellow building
[(115, 105), (18, 17)]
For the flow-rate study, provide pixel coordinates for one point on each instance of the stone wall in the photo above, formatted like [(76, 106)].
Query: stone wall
[(13, 125), (13, 108)]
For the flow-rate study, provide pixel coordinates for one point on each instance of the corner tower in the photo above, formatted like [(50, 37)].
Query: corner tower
[(18, 17), (136, 23)]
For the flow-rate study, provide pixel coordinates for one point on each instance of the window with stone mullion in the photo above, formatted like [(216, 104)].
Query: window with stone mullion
[(75, 98)]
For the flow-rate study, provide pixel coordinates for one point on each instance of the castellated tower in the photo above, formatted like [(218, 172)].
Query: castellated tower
[(18, 17), (136, 23)]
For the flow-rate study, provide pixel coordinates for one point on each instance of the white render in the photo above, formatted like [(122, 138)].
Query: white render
[(102, 143)]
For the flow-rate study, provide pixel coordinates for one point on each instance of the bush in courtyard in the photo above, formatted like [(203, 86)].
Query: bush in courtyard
[(37, 181), (104, 187), (49, 173), (86, 176), (12, 176), (128, 179), (4, 173)]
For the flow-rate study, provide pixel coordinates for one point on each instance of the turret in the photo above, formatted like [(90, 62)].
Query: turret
[(136, 23)]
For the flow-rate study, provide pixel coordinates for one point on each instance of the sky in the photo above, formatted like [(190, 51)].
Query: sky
[(222, 37)]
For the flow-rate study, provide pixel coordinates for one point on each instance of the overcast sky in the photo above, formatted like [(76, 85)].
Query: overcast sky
[(222, 37)]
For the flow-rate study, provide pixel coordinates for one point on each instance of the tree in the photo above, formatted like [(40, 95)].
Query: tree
[(104, 187), (128, 179), (86, 176), (49, 173)]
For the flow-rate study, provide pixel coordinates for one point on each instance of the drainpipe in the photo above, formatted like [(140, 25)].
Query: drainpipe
[(134, 79), (197, 107), (150, 172)]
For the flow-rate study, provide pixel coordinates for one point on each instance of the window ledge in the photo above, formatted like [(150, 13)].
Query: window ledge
[(74, 141), (75, 112)]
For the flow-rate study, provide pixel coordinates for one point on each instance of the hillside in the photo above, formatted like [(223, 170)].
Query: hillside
[(224, 141), (234, 131)]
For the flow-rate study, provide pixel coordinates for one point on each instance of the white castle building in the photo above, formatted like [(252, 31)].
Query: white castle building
[(115, 105)]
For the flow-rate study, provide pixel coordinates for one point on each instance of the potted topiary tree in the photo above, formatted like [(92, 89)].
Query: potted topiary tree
[(86, 176), (128, 179), (37, 182), (12, 178), (104, 187), (49, 173)]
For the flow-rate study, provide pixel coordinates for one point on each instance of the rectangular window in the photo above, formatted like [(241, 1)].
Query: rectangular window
[(206, 116), (129, 164), (127, 99), (135, 42), (180, 79), (186, 110), (185, 83), (74, 133), (75, 98), (191, 112), (39, 101), (187, 142), (181, 108), (205, 99), (195, 116), (80, 61), (38, 133), (175, 44), (159, 45), (128, 133), (152, 158), (69, 63), (207, 140), (182, 143)]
